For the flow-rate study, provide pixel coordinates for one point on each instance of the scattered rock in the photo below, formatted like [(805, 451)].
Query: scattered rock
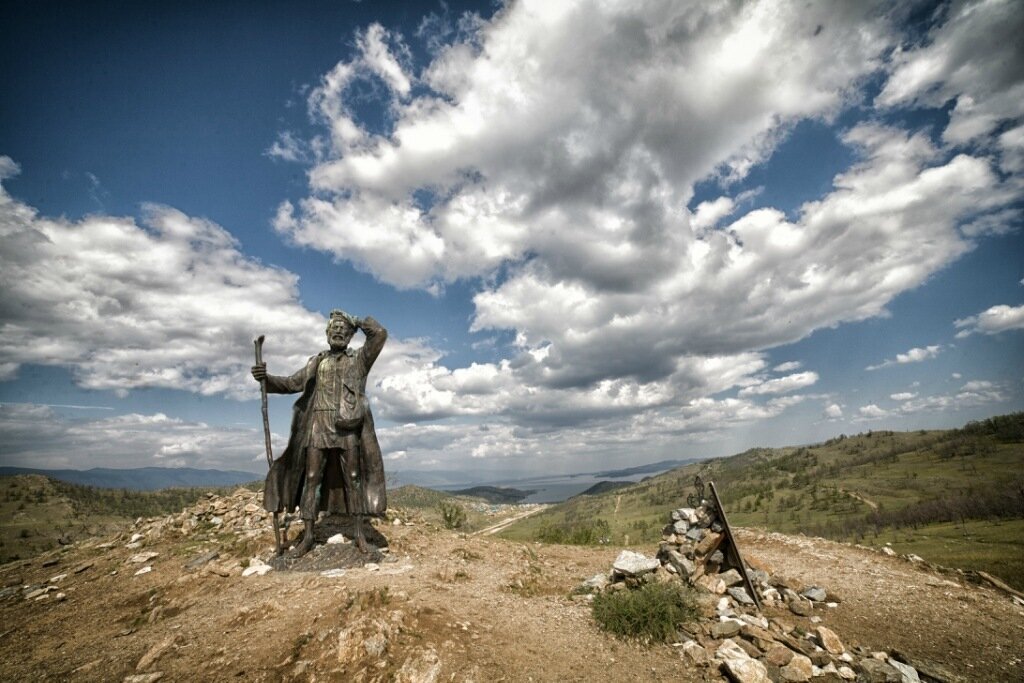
[(877, 671), (696, 653), (740, 595), (337, 539), (740, 666), (778, 655), (908, 672), (142, 557), (731, 577), (712, 584), (422, 666), (82, 567), (888, 551), (596, 583), (145, 570), (154, 653), (725, 629), (201, 560), (144, 678), (815, 594), (629, 563), (709, 544), (799, 669), (830, 641), (801, 607), (257, 567)]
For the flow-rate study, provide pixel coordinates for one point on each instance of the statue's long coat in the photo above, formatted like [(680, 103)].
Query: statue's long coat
[(284, 484)]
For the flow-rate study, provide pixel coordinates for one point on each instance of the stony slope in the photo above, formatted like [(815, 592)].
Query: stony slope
[(440, 606)]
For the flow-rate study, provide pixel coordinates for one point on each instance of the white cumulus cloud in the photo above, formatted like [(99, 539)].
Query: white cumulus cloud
[(993, 320), (914, 355)]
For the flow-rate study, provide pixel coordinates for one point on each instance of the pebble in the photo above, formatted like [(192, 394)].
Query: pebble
[(333, 573), (145, 570), (257, 567), (142, 557), (337, 539)]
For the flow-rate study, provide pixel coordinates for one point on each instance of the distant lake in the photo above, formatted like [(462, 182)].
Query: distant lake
[(553, 489)]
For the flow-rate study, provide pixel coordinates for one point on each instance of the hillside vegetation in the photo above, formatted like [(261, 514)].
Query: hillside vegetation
[(38, 513), (952, 496)]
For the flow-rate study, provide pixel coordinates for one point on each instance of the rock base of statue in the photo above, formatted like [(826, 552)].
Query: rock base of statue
[(334, 547)]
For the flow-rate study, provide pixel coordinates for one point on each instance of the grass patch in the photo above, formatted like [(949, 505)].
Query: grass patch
[(651, 613), (996, 547), (591, 532)]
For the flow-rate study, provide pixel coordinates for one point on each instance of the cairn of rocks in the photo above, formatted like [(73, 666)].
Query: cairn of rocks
[(734, 636)]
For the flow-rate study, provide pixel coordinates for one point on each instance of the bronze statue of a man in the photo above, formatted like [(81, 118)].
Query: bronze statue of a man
[(333, 461)]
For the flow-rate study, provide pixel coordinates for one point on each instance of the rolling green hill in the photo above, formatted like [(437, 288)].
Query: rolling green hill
[(948, 495)]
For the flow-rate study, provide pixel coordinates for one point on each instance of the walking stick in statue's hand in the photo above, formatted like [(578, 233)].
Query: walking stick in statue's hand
[(263, 401), (266, 435)]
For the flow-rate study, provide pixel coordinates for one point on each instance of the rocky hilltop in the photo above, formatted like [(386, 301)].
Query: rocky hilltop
[(197, 596)]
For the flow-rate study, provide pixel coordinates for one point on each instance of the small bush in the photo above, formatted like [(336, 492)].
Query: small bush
[(453, 515), (591, 532), (651, 613)]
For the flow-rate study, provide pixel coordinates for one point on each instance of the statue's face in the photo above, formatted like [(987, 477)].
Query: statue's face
[(339, 334)]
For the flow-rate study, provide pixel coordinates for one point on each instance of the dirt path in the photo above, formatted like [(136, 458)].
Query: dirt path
[(444, 607), (853, 494), (504, 524)]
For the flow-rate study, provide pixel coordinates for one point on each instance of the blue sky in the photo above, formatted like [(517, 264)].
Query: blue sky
[(599, 234)]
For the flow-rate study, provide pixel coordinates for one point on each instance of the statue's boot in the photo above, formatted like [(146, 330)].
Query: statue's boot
[(307, 540), (360, 537)]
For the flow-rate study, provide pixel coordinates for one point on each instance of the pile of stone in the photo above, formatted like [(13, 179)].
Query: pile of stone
[(241, 512), (734, 635)]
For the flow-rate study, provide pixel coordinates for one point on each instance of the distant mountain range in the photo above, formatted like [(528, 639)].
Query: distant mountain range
[(649, 468), (155, 478), (449, 479), (142, 478)]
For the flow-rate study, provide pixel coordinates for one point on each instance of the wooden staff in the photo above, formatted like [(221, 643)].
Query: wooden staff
[(263, 401)]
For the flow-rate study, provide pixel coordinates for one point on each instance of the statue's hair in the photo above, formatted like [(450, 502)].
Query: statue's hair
[(338, 313)]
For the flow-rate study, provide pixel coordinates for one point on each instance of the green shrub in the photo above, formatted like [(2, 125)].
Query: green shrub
[(592, 532), (651, 613), (453, 515)]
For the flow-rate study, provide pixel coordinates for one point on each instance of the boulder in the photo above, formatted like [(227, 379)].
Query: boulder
[(725, 629), (693, 651), (740, 666), (711, 584), (681, 564), (629, 563), (830, 641), (731, 577), (908, 672), (801, 607), (815, 594), (876, 671), (708, 544), (799, 669), (778, 655), (740, 595)]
